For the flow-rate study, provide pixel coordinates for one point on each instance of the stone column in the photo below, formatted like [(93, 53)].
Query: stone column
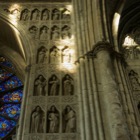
[(111, 107)]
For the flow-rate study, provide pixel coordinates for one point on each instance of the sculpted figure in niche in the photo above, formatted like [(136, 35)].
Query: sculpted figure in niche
[(54, 55), (45, 14), (37, 120), (66, 32), (69, 120), (44, 33), (33, 31), (55, 33), (41, 57), (65, 14), (54, 86), (66, 55), (24, 15), (35, 14), (39, 86), (68, 87), (53, 120), (55, 14), (134, 80)]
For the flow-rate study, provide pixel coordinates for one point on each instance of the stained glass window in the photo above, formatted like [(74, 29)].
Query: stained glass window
[(11, 93), (5, 62)]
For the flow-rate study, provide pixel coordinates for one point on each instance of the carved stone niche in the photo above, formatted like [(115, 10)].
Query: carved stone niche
[(44, 33), (67, 85), (133, 76), (65, 14), (41, 55), (54, 55), (55, 14), (68, 120), (66, 55), (55, 33), (33, 31), (66, 32), (53, 120), (45, 15), (25, 15), (40, 86), (35, 14), (37, 120), (53, 85)]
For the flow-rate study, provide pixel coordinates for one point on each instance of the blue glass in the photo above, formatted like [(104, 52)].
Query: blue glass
[(10, 84), (10, 110), (4, 75), (15, 96), (5, 62), (6, 126)]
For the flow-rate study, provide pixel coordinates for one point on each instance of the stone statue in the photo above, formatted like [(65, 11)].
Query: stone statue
[(24, 15), (54, 86), (66, 55), (66, 32), (69, 120), (67, 85), (55, 14), (44, 33), (33, 31), (37, 120), (53, 120), (54, 55), (35, 15), (134, 80), (55, 33), (41, 55), (45, 14), (40, 84)]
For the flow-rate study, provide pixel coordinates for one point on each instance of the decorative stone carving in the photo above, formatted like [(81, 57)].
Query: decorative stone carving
[(66, 32), (24, 15), (55, 33), (45, 14), (44, 33), (66, 55), (53, 86), (35, 15), (55, 14), (37, 121), (33, 31), (134, 80), (54, 55), (132, 53), (7, 11), (65, 14), (68, 86), (41, 56), (69, 120), (53, 120), (39, 86), (16, 13)]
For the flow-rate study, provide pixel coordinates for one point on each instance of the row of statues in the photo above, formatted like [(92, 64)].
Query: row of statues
[(54, 56), (40, 86), (68, 120), (54, 33), (135, 81), (45, 14), (132, 53)]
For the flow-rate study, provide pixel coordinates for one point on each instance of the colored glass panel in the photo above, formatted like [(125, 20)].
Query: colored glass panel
[(10, 110), (5, 62), (6, 126), (15, 96), (11, 83), (4, 75)]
